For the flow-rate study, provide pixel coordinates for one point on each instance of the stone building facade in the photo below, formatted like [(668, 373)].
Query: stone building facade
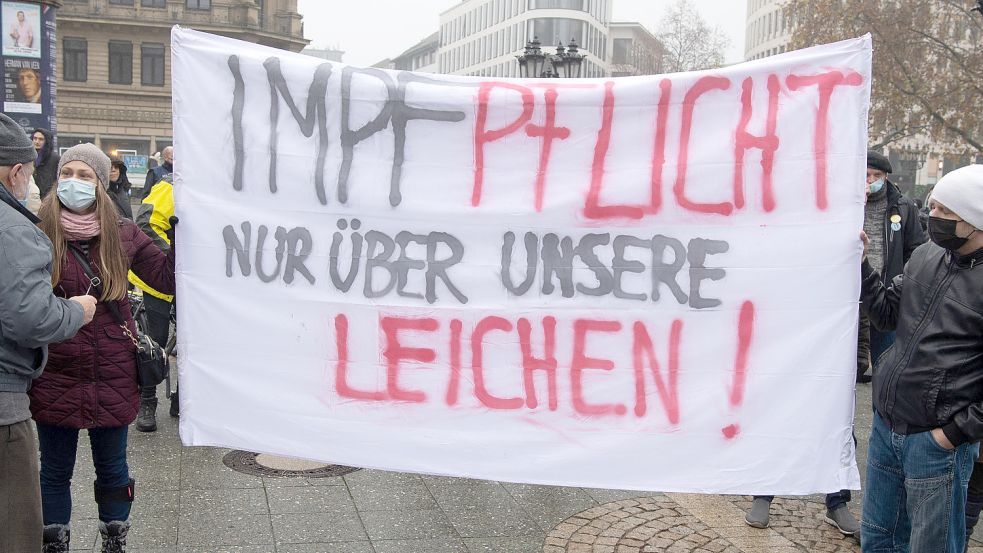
[(114, 62)]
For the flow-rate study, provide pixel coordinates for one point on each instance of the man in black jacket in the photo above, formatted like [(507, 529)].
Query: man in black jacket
[(892, 225), (928, 389)]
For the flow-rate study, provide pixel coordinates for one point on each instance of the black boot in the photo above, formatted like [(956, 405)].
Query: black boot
[(175, 405), (56, 537), (114, 535), (147, 419), (974, 504)]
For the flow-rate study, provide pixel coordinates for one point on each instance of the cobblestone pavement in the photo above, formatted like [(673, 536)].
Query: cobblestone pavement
[(714, 524), (680, 522), (189, 501)]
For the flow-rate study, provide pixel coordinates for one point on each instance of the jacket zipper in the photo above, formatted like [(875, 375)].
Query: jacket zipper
[(890, 390)]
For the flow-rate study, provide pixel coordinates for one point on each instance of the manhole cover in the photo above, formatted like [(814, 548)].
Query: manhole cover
[(261, 464)]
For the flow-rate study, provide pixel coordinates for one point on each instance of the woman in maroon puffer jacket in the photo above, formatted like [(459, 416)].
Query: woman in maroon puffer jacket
[(90, 381)]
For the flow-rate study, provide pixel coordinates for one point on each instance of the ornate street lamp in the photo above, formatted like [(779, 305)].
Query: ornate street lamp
[(572, 59), (914, 156), (565, 63), (532, 61)]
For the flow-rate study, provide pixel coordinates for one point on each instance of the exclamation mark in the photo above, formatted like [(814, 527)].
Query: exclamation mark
[(745, 330)]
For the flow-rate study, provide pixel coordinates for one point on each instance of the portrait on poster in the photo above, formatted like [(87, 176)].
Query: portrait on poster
[(21, 29), (22, 86)]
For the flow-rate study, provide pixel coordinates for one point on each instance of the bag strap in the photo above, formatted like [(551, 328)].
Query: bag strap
[(96, 283)]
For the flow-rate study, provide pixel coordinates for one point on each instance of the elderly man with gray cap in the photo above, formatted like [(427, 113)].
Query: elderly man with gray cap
[(893, 226), (31, 317), (928, 389)]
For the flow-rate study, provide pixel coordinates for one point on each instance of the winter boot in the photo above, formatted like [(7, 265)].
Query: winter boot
[(175, 405), (55, 538), (147, 419), (114, 535)]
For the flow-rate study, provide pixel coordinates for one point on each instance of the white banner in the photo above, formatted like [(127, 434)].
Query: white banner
[(640, 283)]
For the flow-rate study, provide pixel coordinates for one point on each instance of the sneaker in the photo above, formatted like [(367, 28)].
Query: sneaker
[(758, 515), (147, 418), (843, 520)]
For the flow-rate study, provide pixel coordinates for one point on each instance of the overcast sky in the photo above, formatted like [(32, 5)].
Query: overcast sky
[(372, 30)]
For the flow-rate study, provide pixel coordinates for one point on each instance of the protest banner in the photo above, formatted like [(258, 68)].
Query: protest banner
[(640, 283)]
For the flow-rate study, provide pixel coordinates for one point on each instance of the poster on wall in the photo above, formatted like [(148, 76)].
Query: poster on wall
[(28, 60), (21, 29), (22, 86)]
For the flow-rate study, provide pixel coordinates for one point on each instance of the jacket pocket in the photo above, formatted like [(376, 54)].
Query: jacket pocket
[(933, 393)]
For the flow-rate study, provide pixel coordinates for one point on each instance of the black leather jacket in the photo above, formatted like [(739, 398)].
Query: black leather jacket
[(933, 374)]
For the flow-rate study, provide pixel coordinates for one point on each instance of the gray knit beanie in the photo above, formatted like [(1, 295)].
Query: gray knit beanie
[(962, 192), (15, 146), (90, 155)]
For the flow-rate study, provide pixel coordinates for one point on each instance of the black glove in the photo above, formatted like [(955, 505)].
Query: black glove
[(173, 221)]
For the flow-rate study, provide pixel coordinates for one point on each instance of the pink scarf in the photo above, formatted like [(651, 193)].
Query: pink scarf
[(78, 226)]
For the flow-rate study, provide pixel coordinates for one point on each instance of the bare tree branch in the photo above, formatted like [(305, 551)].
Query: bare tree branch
[(928, 64)]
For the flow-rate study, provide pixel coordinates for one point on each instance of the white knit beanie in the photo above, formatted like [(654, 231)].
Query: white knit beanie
[(962, 192)]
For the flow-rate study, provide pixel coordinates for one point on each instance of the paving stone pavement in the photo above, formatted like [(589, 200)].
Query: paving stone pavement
[(188, 501)]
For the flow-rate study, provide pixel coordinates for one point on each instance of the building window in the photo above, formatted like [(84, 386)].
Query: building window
[(554, 30), (120, 62), (121, 2), (152, 64), (153, 4), (557, 4), (199, 4), (75, 52), (622, 46)]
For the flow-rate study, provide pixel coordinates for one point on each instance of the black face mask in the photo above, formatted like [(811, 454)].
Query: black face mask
[(943, 232)]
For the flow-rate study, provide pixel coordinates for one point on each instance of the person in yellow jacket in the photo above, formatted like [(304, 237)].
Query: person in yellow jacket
[(153, 218)]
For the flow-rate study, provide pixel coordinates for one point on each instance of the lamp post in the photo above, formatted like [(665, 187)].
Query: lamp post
[(911, 159), (566, 63)]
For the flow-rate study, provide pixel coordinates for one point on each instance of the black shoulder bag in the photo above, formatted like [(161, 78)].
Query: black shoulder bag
[(152, 366)]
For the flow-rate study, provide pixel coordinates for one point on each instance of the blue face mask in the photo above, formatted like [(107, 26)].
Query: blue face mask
[(876, 186), (77, 195), (27, 193)]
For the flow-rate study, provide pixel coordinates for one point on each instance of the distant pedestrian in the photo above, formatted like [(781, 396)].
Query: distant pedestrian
[(119, 188), (154, 219), (31, 317), (46, 163), (156, 174), (928, 389)]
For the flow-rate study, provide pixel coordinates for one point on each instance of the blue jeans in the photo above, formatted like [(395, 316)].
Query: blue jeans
[(916, 493), (58, 449), (879, 342)]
